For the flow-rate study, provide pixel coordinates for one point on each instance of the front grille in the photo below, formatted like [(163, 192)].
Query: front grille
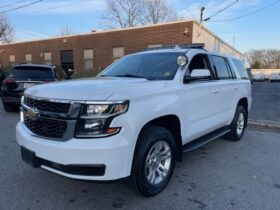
[(46, 127), (47, 106)]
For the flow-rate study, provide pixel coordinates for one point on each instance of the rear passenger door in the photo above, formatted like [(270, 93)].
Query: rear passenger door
[(202, 101), (227, 86)]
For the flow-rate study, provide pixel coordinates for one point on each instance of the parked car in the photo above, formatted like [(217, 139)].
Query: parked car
[(137, 117), (275, 77), (259, 77), (22, 77), (2, 77)]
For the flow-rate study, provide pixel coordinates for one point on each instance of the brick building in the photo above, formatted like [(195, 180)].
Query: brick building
[(96, 50)]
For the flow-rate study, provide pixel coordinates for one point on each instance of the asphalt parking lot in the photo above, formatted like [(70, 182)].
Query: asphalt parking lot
[(266, 101), (221, 175)]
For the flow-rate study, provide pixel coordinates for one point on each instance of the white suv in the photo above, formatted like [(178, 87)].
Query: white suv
[(137, 117)]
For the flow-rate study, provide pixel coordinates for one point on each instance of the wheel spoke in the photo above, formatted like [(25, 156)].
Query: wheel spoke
[(153, 176), (165, 155), (162, 169), (160, 173), (158, 161), (158, 148), (240, 123)]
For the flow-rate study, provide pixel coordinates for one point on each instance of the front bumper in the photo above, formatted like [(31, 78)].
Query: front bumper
[(115, 153)]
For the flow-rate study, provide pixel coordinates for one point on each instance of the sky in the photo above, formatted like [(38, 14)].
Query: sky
[(46, 18)]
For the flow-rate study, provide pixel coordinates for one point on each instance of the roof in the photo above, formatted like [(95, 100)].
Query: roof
[(103, 31), (127, 29), (35, 65)]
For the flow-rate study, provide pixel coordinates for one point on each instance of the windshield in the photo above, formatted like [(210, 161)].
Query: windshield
[(39, 73), (151, 66)]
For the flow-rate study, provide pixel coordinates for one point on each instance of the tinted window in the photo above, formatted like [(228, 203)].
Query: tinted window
[(2, 75), (199, 62), (32, 73), (240, 68), (154, 66), (221, 67)]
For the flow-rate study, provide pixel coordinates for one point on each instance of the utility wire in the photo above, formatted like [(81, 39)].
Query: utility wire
[(221, 10), (249, 14), (63, 5), (12, 4), (16, 8)]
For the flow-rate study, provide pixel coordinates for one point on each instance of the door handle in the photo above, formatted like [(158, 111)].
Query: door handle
[(215, 91), (236, 88)]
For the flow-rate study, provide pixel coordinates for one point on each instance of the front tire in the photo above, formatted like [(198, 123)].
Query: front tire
[(238, 124), (154, 160)]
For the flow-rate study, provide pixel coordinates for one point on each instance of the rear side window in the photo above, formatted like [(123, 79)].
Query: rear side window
[(221, 67), (32, 73), (241, 69), (2, 74)]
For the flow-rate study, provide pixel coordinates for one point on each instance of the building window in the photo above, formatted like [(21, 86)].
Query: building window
[(88, 59), (12, 60), (118, 52), (28, 58), (48, 58)]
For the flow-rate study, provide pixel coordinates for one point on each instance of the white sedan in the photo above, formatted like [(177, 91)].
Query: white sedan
[(275, 77)]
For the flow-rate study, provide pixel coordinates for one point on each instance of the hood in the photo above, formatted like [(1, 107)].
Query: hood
[(92, 88)]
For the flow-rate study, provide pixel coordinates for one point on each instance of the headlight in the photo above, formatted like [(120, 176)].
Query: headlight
[(95, 119)]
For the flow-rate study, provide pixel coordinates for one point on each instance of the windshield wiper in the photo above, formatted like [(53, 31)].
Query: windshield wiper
[(129, 75), (125, 75)]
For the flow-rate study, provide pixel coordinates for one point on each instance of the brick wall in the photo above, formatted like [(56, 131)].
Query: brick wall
[(102, 43)]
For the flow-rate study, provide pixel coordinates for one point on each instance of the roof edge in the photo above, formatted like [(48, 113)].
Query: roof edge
[(100, 32), (213, 34)]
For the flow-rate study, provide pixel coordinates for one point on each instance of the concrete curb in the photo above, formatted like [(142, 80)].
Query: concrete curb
[(264, 125)]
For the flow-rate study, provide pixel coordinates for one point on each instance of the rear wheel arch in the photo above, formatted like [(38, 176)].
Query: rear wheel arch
[(243, 102)]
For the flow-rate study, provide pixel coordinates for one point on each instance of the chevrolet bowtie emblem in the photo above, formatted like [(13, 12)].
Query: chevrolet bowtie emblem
[(33, 114)]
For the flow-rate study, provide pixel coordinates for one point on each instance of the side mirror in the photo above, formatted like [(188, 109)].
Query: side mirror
[(198, 74)]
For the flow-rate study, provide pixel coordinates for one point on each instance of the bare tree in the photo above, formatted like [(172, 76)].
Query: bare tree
[(7, 32), (66, 31), (263, 58), (158, 11), (122, 13), (130, 13)]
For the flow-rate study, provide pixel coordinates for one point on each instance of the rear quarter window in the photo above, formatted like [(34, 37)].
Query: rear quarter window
[(241, 69), (222, 67)]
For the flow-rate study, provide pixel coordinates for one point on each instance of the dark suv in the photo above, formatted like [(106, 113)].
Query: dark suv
[(2, 77), (22, 77)]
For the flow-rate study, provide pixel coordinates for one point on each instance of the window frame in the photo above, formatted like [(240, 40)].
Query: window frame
[(88, 59), (228, 67), (12, 62), (210, 67), (234, 60), (115, 58), (48, 61), (28, 61)]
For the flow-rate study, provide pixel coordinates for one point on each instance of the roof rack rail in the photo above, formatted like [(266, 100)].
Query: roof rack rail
[(180, 46), (192, 46), (161, 47)]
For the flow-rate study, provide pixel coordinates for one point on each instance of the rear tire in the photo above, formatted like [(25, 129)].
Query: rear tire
[(238, 124), (9, 108), (154, 160)]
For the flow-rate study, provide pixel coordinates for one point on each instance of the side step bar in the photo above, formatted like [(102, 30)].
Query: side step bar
[(195, 144)]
